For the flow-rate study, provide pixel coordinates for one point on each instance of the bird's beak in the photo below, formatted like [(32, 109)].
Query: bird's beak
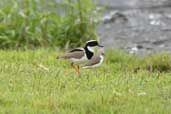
[(100, 46)]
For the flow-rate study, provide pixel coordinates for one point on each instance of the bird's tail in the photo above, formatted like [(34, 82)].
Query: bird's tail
[(61, 57)]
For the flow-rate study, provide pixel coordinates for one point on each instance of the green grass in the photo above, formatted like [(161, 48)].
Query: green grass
[(34, 82)]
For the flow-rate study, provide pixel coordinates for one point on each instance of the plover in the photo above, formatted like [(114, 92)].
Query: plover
[(80, 55), (96, 60)]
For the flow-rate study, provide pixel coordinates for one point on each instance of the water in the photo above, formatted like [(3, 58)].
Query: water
[(142, 27)]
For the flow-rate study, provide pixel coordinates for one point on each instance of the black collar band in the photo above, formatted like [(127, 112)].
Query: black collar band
[(89, 54)]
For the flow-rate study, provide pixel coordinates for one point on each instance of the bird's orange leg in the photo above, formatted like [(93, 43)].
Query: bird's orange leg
[(78, 70), (73, 66)]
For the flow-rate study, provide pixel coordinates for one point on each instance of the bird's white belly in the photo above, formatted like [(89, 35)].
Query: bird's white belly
[(81, 60)]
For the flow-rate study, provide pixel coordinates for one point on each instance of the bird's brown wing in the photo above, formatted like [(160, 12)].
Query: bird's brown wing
[(77, 49), (74, 54), (94, 60)]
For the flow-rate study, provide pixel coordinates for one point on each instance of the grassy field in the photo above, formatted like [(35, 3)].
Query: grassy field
[(34, 82)]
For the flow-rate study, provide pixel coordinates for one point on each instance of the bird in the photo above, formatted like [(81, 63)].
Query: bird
[(79, 56), (96, 60)]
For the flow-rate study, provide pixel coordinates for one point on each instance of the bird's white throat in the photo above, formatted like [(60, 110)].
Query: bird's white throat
[(92, 49)]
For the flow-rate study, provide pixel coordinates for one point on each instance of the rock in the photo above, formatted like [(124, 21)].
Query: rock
[(114, 17)]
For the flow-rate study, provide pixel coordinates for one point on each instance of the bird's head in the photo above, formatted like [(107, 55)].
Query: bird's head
[(91, 45)]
